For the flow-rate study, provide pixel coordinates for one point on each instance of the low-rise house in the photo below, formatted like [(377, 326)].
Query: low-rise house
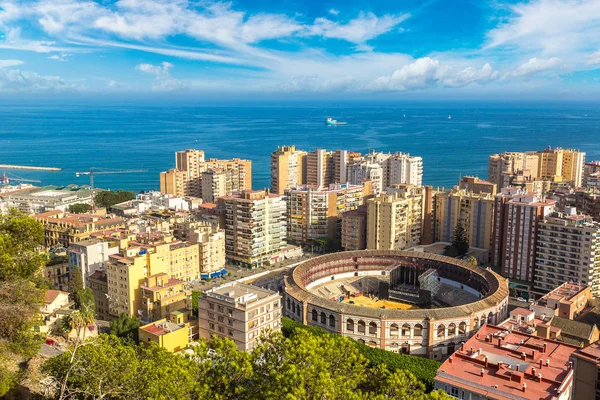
[(169, 335), (54, 300)]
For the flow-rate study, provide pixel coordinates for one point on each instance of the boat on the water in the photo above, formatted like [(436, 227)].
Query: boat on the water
[(330, 121)]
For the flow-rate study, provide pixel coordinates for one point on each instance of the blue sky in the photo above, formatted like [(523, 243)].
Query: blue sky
[(349, 49)]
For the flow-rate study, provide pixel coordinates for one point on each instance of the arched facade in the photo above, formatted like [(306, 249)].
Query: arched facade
[(427, 332)]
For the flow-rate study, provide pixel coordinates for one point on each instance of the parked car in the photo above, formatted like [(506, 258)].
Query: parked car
[(521, 299), (50, 342)]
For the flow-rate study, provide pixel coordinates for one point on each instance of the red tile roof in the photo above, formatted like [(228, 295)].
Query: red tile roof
[(496, 362)]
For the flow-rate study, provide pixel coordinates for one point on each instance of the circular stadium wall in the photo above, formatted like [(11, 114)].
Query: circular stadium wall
[(428, 332)]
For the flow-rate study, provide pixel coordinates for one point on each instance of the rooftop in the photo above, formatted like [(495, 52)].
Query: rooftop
[(590, 353), (573, 328), (51, 295), (239, 293), (497, 363), (564, 292), (162, 327)]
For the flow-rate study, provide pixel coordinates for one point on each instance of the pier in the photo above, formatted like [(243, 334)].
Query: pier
[(29, 167)]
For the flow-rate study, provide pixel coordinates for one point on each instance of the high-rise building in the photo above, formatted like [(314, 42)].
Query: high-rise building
[(316, 212), (174, 182), (517, 216), (320, 168), (475, 212), (361, 171), (239, 312), (589, 169), (354, 229), (193, 163), (567, 251), (395, 221), (241, 171), (186, 179), (255, 226), (502, 168), (211, 241), (562, 165), (404, 168), (288, 168), (216, 183)]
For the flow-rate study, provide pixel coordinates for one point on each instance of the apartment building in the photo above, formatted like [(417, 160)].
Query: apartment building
[(554, 165), (162, 295), (354, 229), (568, 250), (125, 275), (167, 334), (211, 242), (567, 301), (216, 183), (498, 364), (255, 226), (239, 312), (590, 168), (517, 216), (476, 185), (474, 211), (175, 182), (361, 171), (288, 168), (241, 171), (187, 177), (586, 201), (316, 212), (97, 282), (31, 199), (320, 168), (90, 255), (64, 229), (395, 221), (402, 168), (586, 379)]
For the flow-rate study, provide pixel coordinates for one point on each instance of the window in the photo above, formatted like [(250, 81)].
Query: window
[(462, 328), (350, 325), (230, 332), (361, 326), (372, 328), (451, 329), (418, 330), (315, 315), (211, 326), (394, 331), (406, 330), (211, 306), (323, 318), (441, 331), (331, 321), (221, 329), (220, 308)]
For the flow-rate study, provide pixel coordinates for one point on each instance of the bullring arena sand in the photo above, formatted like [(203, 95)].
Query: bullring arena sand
[(365, 301)]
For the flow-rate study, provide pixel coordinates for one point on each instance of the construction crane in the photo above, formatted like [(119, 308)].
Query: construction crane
[(5, 179), (101, 171)]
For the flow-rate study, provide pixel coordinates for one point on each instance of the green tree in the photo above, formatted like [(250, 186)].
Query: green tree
[(79, 208), (125, 328), (108, 198), (398, 385), (195, 296), (21, 238), (84, 301), (76, 280), (102, 368), (460, 241), (221, 370), (307, 366)]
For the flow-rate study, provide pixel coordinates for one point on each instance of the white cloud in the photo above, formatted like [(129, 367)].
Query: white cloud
[(471, 75), (534, 66), (593, 58), (10, 63), (359, 30), (552, 26), (62, 57), (333, 11), (14, 80), (421, 74), (163, 80)]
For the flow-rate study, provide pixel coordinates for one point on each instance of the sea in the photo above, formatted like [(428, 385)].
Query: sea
[(454, 139)]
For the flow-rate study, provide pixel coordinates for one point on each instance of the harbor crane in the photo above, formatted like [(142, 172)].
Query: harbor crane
[(101, 171), (5, 179)]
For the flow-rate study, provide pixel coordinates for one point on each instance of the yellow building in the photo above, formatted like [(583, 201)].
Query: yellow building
[(64, 229), (288, 168), (162, 295), (127, 271), (174, 182), (169, 335), (475, 211), (395, 220)]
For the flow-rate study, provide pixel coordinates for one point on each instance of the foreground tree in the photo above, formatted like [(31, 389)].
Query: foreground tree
[(126, 328), (20, 239), (79, 208)]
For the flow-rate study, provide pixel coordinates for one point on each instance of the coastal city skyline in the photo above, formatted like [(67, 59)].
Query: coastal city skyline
[(119, 49)]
